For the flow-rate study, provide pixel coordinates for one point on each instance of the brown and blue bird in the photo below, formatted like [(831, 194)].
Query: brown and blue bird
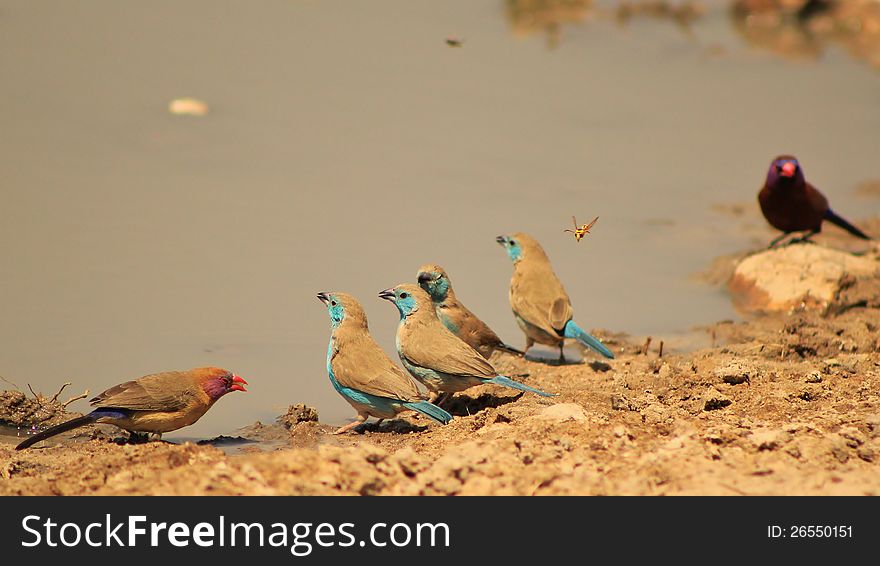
[(363, 373), (433, 355), (539, 301), (456, 317)]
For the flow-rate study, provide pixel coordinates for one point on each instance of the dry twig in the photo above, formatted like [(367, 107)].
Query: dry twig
[(82, 395), (55, 397)]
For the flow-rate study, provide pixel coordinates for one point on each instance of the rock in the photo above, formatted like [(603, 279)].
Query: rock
[(735, 372), (769, 439), (410, 462), (852, 436), (296, 414), (654, 413), (563, 412), (813, 377), (840, 366), (714, 400), (622, 403), (797, 276)]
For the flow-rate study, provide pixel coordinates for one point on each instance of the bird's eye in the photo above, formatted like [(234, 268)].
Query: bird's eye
[(333, 303), (404, 295), (512, 243)]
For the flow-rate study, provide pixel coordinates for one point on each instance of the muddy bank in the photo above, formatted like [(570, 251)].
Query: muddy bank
[(782, 404)]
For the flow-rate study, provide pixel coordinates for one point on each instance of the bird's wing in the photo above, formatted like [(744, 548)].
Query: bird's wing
[(540, 299), (440, 350), (471, 329), (478, 332), (818, 201), (168, 391), (560, 313), (546, 315), (361, 364)]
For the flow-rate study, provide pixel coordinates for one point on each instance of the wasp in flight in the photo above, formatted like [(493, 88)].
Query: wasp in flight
[(580, 232)]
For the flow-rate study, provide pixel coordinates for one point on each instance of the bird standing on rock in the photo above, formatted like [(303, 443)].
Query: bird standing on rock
[(538, 299), (436, 357), (791, 204), (157, 403), (456, 317), (361, 371)]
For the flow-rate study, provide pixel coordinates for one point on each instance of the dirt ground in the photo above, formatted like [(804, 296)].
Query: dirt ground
[(783, 404)]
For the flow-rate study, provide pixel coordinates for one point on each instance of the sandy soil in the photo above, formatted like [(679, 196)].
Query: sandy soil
[(784, 404)]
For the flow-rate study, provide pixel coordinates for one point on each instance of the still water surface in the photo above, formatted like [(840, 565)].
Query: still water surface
[(346, 144)]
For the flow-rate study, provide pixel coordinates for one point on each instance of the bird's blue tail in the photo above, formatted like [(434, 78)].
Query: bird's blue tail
[(58, 429), (507, 382), (840, 221), (430, 410), (572, 330)]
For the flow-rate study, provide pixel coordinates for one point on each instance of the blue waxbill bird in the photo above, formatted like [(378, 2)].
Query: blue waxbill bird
[(363, 373), (458, 318), (436, 357), (539, 301)]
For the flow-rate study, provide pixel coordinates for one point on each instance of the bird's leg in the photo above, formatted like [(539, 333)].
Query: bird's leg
[(444, 398), (777, 239), (562, 353), (343, 429), (805, 238), (432, 398)]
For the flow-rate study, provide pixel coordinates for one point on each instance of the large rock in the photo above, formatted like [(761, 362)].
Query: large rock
[(798, 276)]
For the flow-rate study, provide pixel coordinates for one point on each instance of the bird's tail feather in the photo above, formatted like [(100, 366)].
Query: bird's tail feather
[(510, 349), (830, 216), (58, 429), (430, 410), (572, 330), (507, 382)]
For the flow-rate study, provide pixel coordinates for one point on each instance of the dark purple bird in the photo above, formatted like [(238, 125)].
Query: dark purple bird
[(791, 204)]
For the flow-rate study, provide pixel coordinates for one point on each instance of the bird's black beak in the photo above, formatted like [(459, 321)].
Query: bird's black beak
[(387, 294), (324, 298), (501, 240), (425, 277)]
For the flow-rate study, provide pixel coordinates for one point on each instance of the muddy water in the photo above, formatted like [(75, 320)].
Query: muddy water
[(345, 145)]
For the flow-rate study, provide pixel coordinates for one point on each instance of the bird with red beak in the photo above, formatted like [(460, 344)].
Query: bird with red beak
[(791, 204), (154, 404)]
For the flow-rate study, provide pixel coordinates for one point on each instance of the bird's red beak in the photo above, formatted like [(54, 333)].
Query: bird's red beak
[(238, 384), (788, 169)]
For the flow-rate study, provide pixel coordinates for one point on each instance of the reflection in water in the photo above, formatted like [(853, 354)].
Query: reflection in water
[(795, 29), (802, 29), (139, 241), (528, 17), (683, 14)]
